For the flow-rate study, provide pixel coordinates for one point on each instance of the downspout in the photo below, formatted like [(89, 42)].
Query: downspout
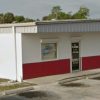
[(14, 34)]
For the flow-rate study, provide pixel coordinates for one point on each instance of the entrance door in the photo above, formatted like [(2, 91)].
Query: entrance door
[(75, 56)]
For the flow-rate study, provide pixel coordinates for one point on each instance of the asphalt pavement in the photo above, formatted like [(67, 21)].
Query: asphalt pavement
[(86, 89)]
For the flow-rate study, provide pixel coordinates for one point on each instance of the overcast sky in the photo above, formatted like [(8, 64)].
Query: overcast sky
[(38, 8)]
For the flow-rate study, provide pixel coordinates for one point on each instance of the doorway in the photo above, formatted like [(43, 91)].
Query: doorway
[(75, 56)]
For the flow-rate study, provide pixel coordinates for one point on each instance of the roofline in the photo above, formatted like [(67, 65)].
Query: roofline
[(18, 24), (67, 21), (50, 22)]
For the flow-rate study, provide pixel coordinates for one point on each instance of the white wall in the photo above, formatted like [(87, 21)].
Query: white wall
[(26, 29), (31, 46), (7, 56), (19, 56), (90, 44), (5, 29)]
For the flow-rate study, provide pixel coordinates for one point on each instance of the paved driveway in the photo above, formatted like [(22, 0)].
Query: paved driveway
[(86, 89)]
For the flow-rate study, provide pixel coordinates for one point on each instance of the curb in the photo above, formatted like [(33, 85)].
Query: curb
[(89, 76), (14, 91)]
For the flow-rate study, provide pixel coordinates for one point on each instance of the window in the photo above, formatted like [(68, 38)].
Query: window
[(48, 51)]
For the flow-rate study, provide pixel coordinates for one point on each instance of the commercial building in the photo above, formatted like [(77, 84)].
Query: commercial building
[(30, 50)]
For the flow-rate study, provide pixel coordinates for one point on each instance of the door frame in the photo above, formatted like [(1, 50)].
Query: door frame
[(80, 60)]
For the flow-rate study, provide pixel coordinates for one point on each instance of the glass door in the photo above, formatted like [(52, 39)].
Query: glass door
[(75, 56)]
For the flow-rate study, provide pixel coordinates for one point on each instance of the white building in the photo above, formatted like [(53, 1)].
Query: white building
[(30, 50)]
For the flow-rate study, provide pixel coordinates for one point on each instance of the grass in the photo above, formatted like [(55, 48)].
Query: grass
[(4, 80), (15, 86), (74, 85)]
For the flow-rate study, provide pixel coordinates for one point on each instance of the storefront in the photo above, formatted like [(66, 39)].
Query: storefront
[(49, 48), (66, 53)]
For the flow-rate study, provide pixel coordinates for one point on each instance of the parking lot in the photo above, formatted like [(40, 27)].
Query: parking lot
[(86, 89)]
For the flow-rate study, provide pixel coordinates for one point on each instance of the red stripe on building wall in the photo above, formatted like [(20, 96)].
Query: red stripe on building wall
[(90, 62), (34, 70)]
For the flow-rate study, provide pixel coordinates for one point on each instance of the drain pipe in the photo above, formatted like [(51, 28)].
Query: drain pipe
[(14, 34)]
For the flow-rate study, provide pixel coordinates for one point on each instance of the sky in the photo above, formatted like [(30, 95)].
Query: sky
[(38, 8)]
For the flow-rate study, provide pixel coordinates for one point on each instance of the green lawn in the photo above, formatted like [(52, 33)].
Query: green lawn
[(15, 86)]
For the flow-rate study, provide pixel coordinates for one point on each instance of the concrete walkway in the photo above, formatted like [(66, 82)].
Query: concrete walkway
[(54, 78)]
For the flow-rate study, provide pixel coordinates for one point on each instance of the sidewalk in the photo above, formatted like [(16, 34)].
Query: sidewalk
[(54, 78)]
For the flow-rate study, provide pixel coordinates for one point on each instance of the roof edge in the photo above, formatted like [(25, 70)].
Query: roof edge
[(67, 21), (50, 22), (18, 24)]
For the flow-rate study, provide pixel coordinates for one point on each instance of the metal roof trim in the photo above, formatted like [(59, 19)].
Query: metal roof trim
[(67, 21), (50, 22), (18, 24)]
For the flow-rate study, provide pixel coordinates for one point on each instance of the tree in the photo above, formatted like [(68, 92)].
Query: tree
[(28, 20), (19, 18), (54, 13), (63, 15), (55, 10), (9, 17), (1, 18), (45, 18), (68, 15), (37, 19), (82, 13)]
